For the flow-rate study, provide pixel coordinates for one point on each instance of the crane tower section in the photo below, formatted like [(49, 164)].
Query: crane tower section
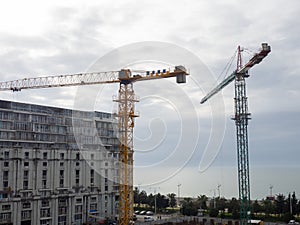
[(241, 118), (126, 114)]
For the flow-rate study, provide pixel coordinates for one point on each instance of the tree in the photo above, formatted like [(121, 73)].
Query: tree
[(151, 200), (234, 208), (294, 204), (213, 212), (136, 196), (189, 208), (172, 198), (256, 207), (268, 207), (161, 201), (221, 203), (202, 199), (280, 205), (143, 198)]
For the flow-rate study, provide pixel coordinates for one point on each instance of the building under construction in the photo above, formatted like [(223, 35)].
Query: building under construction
[(58, 166)]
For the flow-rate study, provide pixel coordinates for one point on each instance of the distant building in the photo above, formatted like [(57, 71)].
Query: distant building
[(270, 198), (57, 166)]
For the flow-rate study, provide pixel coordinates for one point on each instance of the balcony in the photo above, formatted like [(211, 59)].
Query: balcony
[(5, 218), (45, 214), (25, 215)]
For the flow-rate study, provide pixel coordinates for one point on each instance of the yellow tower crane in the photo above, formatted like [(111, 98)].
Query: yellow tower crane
[(126, 114)]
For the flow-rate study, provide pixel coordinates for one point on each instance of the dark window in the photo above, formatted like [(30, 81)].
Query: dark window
[(5, 175), (6, 155), (61, 182), (25, 175), (5, 184), (44, 174), (44, 183), (25, 184), (5, 207)]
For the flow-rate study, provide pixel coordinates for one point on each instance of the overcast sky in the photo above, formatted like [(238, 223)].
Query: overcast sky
[(177, 140)]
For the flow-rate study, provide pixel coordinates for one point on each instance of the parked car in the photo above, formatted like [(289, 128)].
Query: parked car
[(137, 212), (142, 212), (293, 222), (148, 219), (149, 213), (111, 222)]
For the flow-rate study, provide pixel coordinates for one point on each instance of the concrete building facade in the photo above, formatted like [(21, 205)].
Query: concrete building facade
[(57, 166)]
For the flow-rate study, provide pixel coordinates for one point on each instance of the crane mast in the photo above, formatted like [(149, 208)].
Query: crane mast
[(126, 115), (241, 118)]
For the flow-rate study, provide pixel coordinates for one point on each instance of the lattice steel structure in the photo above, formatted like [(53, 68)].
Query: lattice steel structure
[(241, 118), (126, 114)]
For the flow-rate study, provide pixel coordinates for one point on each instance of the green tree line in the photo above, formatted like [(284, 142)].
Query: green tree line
[(280, 207), (141, 198)]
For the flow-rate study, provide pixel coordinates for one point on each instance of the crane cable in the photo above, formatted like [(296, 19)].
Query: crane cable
[(227, 67)]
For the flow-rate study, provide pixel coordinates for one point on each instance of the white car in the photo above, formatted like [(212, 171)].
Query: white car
[(149, 213), (148, 219)]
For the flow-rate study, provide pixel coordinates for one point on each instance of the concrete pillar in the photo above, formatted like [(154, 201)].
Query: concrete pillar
[(54, 211)]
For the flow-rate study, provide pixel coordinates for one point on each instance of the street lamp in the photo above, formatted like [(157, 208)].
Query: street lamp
[(178, 186), (154, 188)]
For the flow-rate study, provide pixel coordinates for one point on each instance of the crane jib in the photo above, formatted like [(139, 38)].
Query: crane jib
[(256, 59)]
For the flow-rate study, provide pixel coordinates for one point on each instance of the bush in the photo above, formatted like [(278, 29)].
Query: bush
[(287, 217), (213, 212)]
